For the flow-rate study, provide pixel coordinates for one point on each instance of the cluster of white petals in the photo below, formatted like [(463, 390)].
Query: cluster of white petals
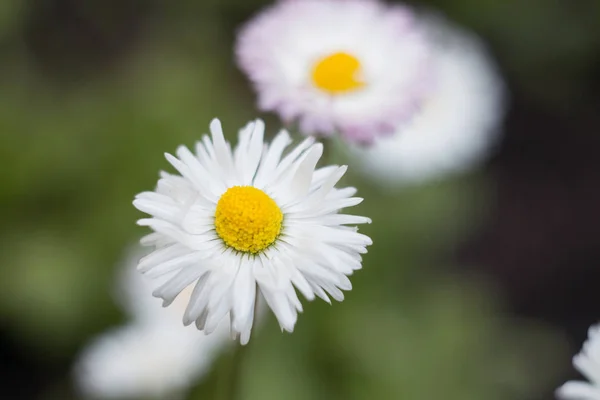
[(313, 253), (587, 362), (456, 126), (151, 356)]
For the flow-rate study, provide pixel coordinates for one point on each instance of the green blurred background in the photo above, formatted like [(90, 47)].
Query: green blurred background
[(477, 286)]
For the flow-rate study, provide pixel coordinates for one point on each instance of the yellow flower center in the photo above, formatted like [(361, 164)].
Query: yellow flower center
[(336, 73), (247, 219)]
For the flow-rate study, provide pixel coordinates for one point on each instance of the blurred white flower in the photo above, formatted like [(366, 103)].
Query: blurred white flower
[(354, 67), (587, 362), (152, 356), (458, 123), (237, 223)]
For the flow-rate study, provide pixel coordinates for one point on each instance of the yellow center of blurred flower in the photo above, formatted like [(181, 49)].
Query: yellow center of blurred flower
[(247, 219), (337, 73)]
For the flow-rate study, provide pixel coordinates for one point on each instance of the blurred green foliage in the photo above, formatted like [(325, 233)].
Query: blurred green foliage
[(77, 145)]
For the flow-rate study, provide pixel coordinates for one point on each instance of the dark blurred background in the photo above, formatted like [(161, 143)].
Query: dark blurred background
[(480, 285)]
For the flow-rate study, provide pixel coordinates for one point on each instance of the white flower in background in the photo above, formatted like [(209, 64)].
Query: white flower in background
[(354, 67), (457, 125), (250, 219), (153, 356), (588, 363)]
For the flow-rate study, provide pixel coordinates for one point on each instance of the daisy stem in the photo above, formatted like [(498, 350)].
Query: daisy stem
[(229, 385), (229, 381)]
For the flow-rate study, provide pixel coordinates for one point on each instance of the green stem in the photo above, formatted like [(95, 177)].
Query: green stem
[(229, 379), (229, 385)]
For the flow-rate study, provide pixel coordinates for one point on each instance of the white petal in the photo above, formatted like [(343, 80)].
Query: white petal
[(244, 293), (176, 263), (575, 390), (341, 193), (155, 239), (175, 285), (271, 159), (329, 206), (200, 175), (186, 172), (198, 300), (221, 296), (254, 152), (163, 208), (284, 312), (195, 242), (198, 219), (303, 177), (160, 256), (289, 159), (587, 366), (222, 151)]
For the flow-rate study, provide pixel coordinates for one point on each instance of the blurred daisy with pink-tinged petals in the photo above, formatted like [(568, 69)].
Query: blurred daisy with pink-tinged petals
[(587, 362), (152, 356), (458, 124), (358, 68)]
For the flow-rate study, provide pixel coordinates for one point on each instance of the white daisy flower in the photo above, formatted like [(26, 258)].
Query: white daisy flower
[(251, 219), (153, 356), (357, 67), (457, 125), (588, 363)]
